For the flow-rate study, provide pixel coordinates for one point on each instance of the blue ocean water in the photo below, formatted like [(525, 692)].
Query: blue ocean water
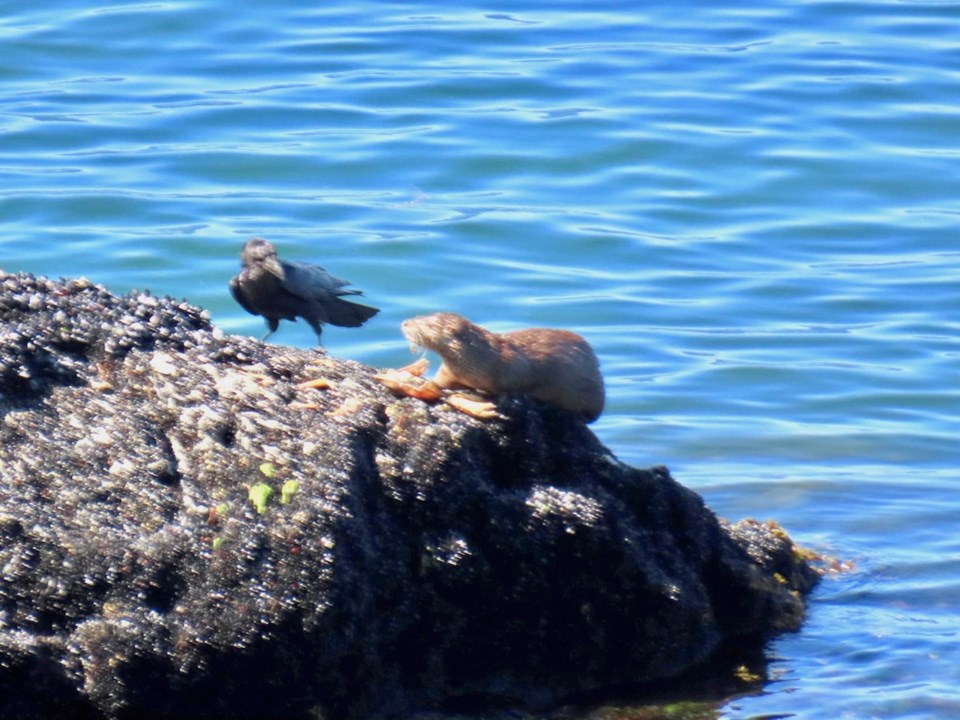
[(750, 211)]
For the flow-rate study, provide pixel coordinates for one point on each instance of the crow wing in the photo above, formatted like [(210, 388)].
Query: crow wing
[(309, 281)]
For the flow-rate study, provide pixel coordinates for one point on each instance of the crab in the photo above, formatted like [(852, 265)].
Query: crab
[(408, 381)]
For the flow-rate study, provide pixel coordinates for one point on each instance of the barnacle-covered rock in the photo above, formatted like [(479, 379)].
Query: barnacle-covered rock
[(425, 557)]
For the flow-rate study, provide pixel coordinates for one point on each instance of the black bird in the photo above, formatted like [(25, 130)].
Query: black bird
[(281, 290)]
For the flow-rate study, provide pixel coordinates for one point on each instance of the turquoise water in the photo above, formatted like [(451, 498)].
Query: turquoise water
[(750, 211)]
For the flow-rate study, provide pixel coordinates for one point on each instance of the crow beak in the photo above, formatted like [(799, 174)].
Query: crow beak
[(273, 266)]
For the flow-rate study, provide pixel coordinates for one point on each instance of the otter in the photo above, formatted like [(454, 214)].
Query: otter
[(556, 366)]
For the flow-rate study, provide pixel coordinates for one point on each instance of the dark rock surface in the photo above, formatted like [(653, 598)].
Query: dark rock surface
[(426, 556)]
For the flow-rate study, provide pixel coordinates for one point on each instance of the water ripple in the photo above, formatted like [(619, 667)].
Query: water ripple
[(749, 211)]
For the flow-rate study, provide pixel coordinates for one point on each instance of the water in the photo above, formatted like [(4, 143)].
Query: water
[(751, 212)]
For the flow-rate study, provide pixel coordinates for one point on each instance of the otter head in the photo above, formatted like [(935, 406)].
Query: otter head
[(434, 332), (458, 341)]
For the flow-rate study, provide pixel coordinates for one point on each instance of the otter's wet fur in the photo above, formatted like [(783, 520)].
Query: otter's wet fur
[(556, 366)]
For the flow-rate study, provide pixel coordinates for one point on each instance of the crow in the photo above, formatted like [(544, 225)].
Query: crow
[(281, 290)]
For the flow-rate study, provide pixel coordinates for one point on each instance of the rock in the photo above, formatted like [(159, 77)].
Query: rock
[(403, 556)]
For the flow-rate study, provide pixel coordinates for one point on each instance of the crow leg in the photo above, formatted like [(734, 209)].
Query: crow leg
[(272, 325), (318, 329)]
